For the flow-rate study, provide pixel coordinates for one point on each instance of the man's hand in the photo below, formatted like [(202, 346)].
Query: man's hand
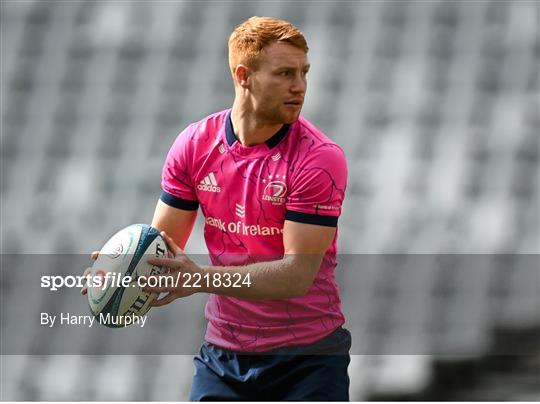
[(177, 264), (93, 257)]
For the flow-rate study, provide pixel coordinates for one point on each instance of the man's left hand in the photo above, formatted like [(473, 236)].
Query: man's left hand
[(171, 282)]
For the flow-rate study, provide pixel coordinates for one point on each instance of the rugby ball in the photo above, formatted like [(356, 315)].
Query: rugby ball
[(113, 301)]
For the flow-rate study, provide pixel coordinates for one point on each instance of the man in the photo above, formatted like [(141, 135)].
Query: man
[(270, 186)]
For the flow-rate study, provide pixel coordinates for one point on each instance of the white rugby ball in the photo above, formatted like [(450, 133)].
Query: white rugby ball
[(125, 254)]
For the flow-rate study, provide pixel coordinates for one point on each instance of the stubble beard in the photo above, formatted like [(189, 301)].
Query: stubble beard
[(278, 116)]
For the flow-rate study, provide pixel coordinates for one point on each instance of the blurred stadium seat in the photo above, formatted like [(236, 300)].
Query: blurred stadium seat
[(436, 105)]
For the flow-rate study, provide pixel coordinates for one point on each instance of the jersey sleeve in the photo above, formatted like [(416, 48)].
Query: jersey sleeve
[(318, 188), (176, 181)]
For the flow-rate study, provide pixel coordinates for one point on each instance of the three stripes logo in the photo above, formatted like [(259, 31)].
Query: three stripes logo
[(209, 184), (240, 210)]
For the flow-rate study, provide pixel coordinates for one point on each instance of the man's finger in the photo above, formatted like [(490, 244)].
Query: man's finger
[(164, 262), (84, 289), (168, 298), (157, 289)]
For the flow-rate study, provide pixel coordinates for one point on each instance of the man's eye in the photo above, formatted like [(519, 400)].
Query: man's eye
[(285, 73)]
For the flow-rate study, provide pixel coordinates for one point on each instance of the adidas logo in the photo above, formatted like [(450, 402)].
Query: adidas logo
[(221, 148), (209, 184), (240, 210)]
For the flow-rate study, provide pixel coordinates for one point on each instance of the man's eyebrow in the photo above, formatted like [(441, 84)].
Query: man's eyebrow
[(284, 67)]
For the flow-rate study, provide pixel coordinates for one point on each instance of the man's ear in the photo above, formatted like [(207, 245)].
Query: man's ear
[(241, 73)]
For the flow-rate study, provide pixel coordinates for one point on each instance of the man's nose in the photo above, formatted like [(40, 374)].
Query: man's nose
[(299, 84)]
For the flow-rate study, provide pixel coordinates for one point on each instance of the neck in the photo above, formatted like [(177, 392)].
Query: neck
[(249, 130)]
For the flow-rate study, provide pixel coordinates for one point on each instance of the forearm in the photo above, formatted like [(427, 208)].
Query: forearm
[(177, 223), (291, 276)]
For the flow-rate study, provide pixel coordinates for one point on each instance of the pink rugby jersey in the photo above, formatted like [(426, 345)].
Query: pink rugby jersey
[(245, 194)]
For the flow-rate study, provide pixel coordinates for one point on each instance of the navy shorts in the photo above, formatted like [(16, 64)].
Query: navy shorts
[(315, 372)]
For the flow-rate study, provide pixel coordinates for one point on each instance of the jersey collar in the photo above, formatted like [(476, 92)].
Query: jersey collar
[(271, 143)]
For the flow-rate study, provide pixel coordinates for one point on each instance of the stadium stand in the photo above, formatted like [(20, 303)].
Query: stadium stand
[(436, 105)]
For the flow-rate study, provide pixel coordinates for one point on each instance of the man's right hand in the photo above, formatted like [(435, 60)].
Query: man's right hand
[(93, 257)]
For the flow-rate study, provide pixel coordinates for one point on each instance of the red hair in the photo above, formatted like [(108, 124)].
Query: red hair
[(249, 39)]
